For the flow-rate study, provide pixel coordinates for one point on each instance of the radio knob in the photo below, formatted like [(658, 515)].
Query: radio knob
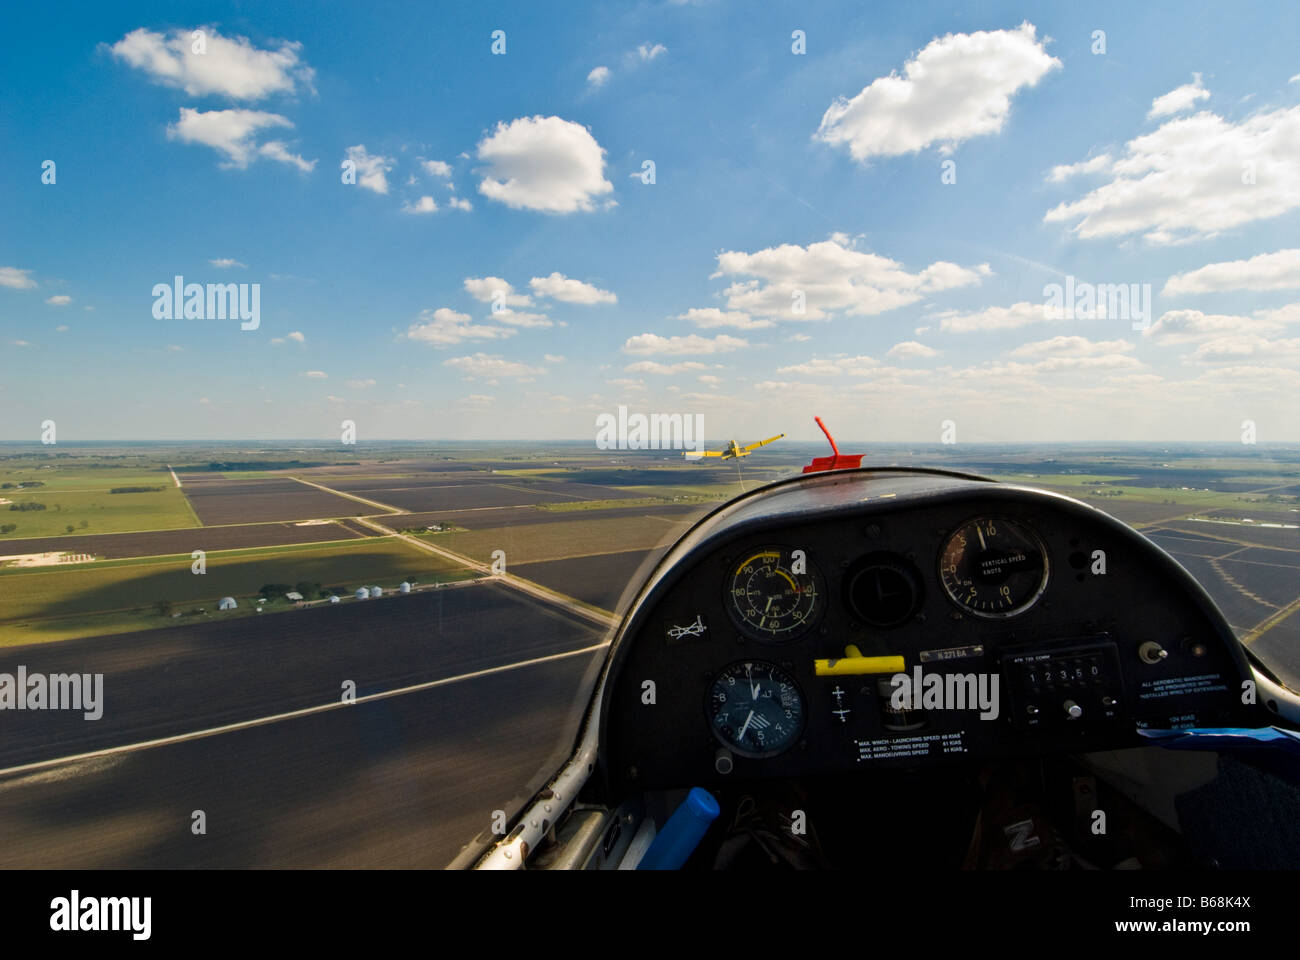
[(1072, 710)]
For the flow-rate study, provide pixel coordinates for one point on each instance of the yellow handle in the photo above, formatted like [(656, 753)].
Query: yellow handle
[(855, 665)]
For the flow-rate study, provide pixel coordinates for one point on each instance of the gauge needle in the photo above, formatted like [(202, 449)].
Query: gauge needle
[(769, 605), (753, 687), (983, 545), (745, 726)]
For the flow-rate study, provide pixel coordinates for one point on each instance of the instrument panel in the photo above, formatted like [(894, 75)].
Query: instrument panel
[(864, 619)]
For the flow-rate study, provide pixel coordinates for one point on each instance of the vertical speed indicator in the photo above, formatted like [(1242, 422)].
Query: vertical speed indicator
[(774, 594), (993, 567)]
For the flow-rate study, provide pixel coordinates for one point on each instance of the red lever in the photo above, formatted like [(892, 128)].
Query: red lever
[(837, 460)]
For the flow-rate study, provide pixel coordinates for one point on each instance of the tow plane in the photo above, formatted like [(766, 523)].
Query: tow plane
[(732, 450)]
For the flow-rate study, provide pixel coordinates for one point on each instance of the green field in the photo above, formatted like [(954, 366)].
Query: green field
[(78, 496), (137, 585)]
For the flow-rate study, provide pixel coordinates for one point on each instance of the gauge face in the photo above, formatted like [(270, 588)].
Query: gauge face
[(994, 567), (774, 594), (755, 709)]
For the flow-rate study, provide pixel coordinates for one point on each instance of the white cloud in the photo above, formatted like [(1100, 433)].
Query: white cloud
[(707, 318), (1179, 99), (1098, 164), (1193, 178), (992, 318), (598, 77), (833, 278), (533, 320), (482, 365), (18, 279), (372, 171), (822, 367), (233, 133), (297, 337), (316, 374), (62, 328), (1072, 347), (1191, 326), (443, 327), (423, 205), (1245, 346), (960, 86), (709, 379), (911, 348), (691, 344), (476, 400), (228, 66), (552, 358), (436, 168), (276, 150), (59, 300), (359, 384), (487, 289), (648, 52), (460, 203), (543, 163), (559, 287), (21, 343), (1267, 271), (225, 263), (665, 369)]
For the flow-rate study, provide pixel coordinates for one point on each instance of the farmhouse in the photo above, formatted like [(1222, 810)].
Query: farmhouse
[(293, 596)]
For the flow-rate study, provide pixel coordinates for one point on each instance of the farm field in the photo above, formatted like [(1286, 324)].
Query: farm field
[(531, 543), (29, 600), (92, 511), (418, 498), (114, 546), (225, 502), (492, 517), (600, 579)]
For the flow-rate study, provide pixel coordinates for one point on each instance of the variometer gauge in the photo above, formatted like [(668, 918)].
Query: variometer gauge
[(774, 594), (755, 709), (993, 567)]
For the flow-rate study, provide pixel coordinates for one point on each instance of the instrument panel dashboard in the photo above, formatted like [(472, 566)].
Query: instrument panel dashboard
[(862, 619)]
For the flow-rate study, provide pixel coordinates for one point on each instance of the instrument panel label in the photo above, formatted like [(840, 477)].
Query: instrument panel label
[(1181, 686), (893, 748), (953, 653)]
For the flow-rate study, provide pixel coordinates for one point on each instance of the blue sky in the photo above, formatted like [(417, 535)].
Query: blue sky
[(774, 173)]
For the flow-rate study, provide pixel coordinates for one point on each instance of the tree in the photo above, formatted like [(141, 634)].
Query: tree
[(70, 528), (164, 608)]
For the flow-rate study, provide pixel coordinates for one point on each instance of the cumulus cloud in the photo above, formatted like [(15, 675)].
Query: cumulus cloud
[(665, 369), (598, 77), (1193, 178), (832, 278), (707, 318), (316, 374), (372, 171), (225, 263), (1191, 326), (276, 150), (911, 348), (518, 319), (360, 384), (1267, 271), (436, 168), (831, 367), (648, 51), (960, 86), (228, 66), (559, 287), (991, 318), (233, 133), (488, 289), (459, 203), (491, 366), (543, 163), (1179, 99), (691, 344), (443, 327), (59, 300), (18, 279), (423, 205), (1072, 347), (1098, 164)]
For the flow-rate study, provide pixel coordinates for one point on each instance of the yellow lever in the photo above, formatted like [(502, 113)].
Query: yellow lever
[(853, 663)]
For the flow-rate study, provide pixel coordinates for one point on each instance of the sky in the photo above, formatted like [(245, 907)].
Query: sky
[(504, 220)]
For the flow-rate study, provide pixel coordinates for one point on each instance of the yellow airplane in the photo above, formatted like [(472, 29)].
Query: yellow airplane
[(732, 452)]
